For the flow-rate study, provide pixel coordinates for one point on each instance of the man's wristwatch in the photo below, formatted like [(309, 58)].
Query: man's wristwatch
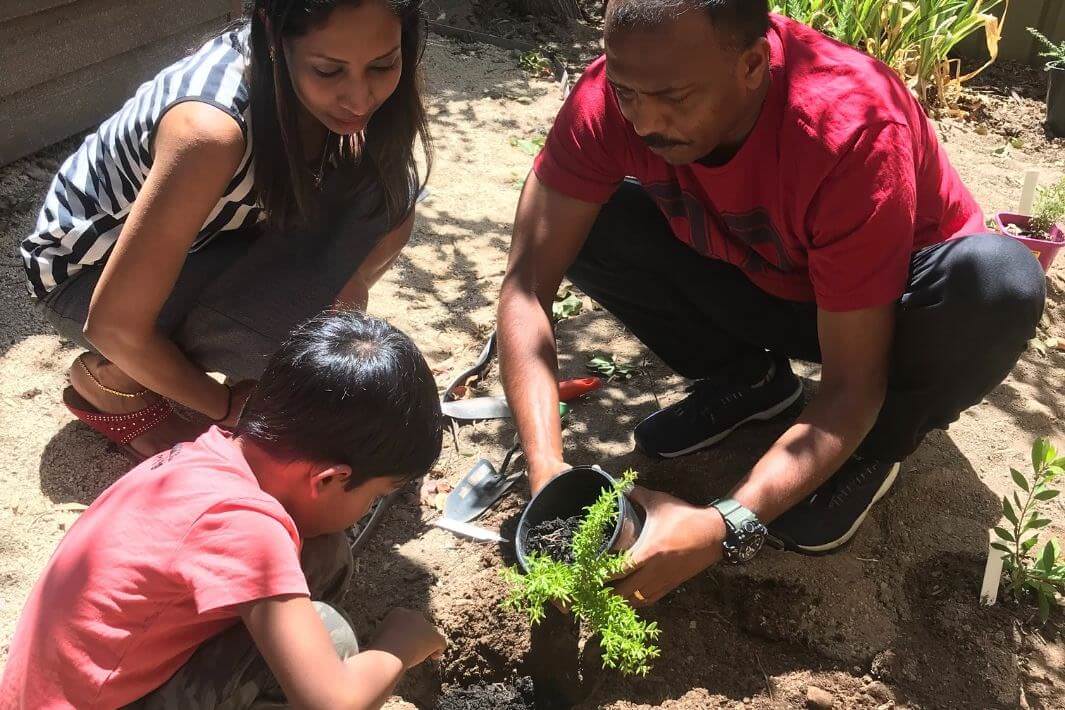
[(744, 532)]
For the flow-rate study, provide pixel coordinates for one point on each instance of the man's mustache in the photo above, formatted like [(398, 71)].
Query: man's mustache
[(655, 140)]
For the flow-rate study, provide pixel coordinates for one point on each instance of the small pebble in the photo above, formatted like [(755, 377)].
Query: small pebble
[(819, 698)]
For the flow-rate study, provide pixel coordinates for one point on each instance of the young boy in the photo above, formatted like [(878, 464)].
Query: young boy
[(182, 587)]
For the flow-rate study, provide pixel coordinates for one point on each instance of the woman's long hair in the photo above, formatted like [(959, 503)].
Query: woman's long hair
[(383, 158)]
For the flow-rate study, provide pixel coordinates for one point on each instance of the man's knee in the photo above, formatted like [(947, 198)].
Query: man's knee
[(999, 282)]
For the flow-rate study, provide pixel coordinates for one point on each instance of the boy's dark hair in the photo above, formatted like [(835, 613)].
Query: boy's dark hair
[(351, 389), (746, 20)]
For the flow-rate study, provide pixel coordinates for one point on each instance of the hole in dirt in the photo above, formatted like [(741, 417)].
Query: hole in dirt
[(560, 670)]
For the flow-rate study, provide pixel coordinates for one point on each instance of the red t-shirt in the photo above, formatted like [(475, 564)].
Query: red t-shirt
[(840, 181), (149, 572)]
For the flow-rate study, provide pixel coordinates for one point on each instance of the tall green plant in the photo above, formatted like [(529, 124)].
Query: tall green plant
[(627, 641), (1043, 572), (913, 37)]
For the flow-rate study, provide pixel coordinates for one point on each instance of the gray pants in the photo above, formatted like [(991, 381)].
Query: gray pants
[(238, 298), (228, 673)]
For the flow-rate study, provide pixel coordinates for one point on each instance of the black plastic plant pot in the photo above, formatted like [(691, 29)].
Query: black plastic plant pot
[(1056, 100), (567, 495)]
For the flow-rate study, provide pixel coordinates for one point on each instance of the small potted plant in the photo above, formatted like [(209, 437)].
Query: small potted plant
[(567, 561), (551, 518), (1041, 231), (1055, 66)]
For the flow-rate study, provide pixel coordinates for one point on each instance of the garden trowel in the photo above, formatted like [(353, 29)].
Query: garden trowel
[(476, 409), (482, 486)]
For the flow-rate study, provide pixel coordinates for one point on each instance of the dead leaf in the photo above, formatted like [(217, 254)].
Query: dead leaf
[(431, 489)]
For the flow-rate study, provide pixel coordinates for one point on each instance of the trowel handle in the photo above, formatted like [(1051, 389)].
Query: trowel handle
[(569, 390)]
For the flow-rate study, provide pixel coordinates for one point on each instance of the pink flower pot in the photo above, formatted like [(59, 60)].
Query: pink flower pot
[(1043, 249)]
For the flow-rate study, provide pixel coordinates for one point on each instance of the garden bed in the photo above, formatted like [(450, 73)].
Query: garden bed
[(891, 619)]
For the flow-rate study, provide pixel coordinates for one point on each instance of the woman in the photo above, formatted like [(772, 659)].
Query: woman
[(268, 176)]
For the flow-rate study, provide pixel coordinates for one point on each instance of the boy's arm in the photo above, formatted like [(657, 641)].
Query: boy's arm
[(291, 637)]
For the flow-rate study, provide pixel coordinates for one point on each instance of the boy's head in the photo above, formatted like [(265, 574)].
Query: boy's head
[(349, 409)]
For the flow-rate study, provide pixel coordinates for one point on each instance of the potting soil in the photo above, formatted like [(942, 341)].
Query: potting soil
[(554, 538), (499, 696)]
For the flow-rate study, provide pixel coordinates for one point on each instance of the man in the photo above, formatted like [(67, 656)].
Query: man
[(786, 198)]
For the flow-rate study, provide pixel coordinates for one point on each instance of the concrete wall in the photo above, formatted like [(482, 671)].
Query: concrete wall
[(65, 65)]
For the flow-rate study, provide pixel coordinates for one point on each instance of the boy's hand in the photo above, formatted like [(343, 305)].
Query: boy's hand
[(410, 637)]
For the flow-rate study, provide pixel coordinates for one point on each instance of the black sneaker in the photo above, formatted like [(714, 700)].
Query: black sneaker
[(718, 405), (829, 518)]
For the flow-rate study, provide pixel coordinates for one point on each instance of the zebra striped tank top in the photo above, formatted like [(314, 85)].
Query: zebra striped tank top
[(91, 196)]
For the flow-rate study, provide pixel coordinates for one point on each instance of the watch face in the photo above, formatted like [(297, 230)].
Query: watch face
[(749, 539)]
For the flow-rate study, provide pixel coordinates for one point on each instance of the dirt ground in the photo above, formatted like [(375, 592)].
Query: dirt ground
[(890, 621)]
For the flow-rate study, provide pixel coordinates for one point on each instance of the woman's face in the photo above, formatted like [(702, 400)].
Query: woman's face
[(345, 68)]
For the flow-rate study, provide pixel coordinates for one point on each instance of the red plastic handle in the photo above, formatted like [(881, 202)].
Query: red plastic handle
[(569, 390)]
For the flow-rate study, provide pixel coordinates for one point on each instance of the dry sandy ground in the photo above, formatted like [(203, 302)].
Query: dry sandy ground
[(890, 621)]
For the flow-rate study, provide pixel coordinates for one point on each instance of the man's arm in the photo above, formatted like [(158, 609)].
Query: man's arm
[(549, 230), (680, 540), (855, 350)]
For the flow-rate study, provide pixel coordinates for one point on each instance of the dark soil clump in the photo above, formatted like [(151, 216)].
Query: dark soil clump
[(517, 695), (554, 538)]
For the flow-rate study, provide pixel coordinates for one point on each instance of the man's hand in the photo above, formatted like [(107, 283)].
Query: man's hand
[(409, 637), (543, 472), (679, 541)]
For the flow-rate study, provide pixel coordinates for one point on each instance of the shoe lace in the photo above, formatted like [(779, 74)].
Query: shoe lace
[(721, 388)]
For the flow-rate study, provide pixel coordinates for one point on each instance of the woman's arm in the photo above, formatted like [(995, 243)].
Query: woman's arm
[(197, 151), (356, 292)]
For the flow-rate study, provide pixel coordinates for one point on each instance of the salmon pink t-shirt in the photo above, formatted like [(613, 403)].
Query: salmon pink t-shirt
[(840, 181), (154, 567)]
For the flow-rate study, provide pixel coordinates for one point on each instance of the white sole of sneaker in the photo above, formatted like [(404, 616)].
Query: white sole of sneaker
[(889, 481), (760, 416)]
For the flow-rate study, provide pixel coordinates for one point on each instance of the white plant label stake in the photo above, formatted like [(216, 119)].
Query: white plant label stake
[(992, 572), (1031, 181)]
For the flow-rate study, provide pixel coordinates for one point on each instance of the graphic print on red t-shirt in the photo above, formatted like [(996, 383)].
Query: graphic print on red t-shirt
[(840, 181)]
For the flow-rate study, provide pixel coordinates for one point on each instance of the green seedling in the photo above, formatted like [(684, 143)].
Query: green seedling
[(566, 305), (529, 146), (610, 368), (1048, 210), (535, 63), (1027, 570), (627, 641)]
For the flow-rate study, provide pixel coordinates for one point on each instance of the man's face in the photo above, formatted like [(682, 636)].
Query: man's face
[(683, 85)]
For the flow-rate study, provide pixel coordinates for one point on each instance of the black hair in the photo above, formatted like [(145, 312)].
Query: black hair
[(350, 389), (745, 20), (384, 155)]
